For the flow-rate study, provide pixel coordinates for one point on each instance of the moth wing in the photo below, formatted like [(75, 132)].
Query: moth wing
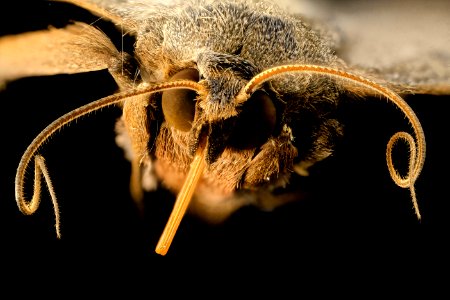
[(404, 42), (74, 48)]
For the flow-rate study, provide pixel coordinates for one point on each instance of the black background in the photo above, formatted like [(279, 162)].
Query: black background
[(356, 221)]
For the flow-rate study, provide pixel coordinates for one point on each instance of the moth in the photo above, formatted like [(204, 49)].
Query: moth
[(224, 103)]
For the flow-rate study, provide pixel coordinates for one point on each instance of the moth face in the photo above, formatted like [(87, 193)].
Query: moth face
[(243, 140), (251, 143)]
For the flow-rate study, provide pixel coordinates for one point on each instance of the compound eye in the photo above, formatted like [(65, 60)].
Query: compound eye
[(178, 105), (256, 122)]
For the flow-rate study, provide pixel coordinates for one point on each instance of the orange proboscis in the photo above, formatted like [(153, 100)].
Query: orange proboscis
[(182, 202)]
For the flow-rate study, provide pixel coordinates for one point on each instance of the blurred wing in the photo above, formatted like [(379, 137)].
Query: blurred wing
[(72, 48), (405, 42)]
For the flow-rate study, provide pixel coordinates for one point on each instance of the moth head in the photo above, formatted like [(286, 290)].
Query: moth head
[(216, 113)]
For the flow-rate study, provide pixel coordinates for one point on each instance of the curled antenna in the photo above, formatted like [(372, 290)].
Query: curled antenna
[(28, 207), (417, 147)]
